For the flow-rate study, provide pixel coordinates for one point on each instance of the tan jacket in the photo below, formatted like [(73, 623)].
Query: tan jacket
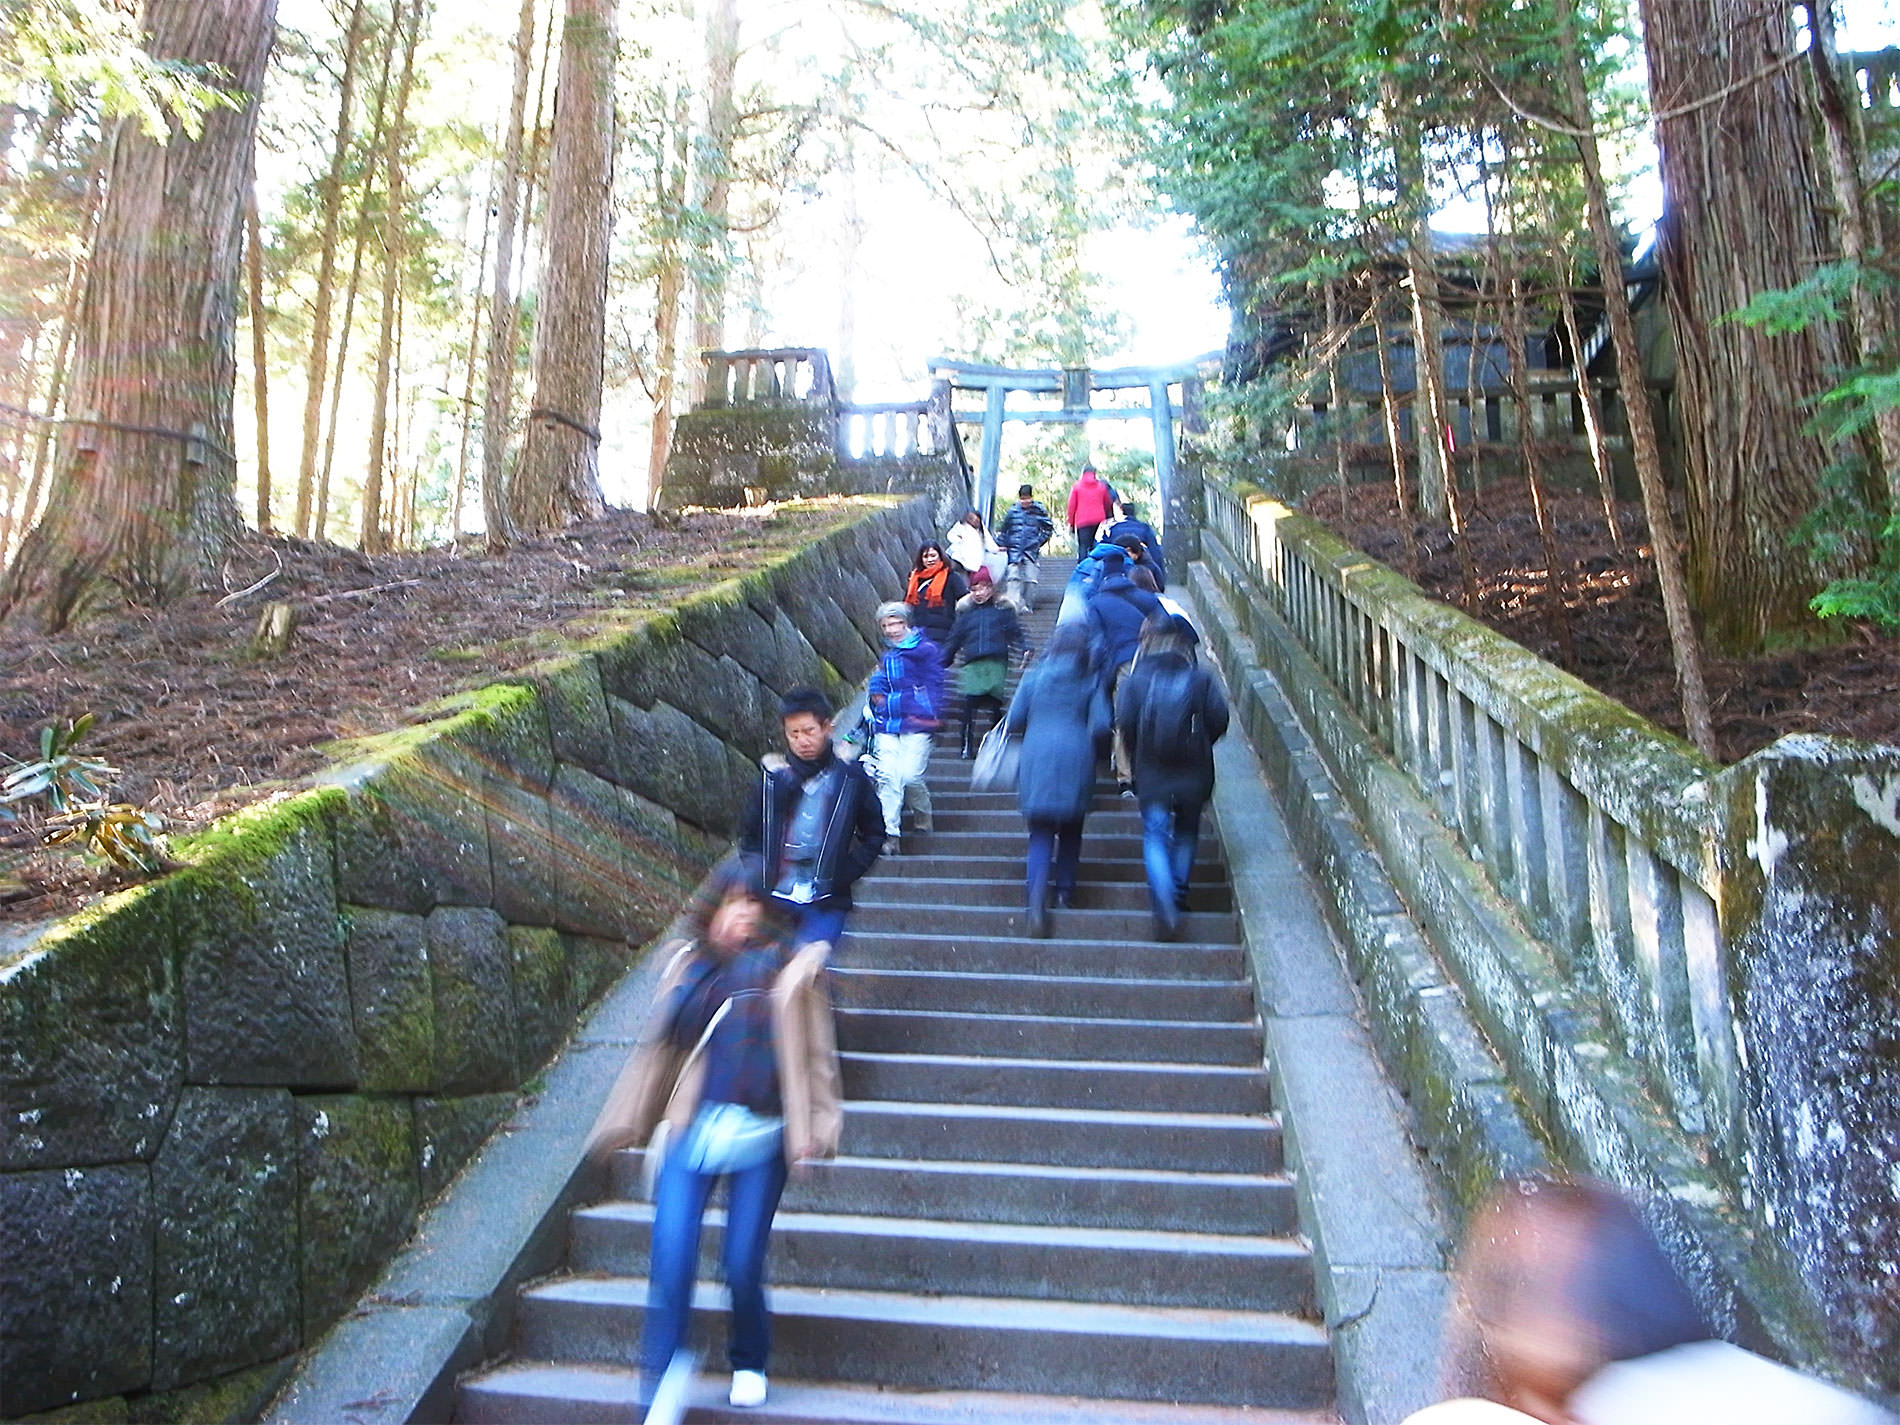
[(663, 1080)]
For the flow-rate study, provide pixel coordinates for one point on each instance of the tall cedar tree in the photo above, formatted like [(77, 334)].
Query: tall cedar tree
[(144, 490), (558, 480), (1743, 216)]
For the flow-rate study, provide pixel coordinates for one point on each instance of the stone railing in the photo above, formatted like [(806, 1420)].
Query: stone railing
[(1676, 963), (759, 377), (229, 1092), (891, 430)]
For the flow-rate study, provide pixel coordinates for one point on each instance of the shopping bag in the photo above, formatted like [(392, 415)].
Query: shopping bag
[(995, 767)]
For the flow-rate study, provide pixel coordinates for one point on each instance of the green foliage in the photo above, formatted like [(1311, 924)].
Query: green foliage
[(84, 53), (72, 786)]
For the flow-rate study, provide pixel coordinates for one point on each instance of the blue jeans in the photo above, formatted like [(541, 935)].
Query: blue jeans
[(1059, 842), (679, 1204), (1170, 835), (821, 920)]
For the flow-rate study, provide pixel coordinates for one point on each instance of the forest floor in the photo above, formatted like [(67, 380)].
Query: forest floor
[(199, 725), (1619, 642)]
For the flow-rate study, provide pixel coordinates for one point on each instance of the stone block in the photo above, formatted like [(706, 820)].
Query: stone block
[(235, 1399), (659, 754), (392, 999), (412, 835), (858, 596), (813, 607), (358, 1199), (75, 1285), (522, 850), (449, 1131), (224, 1202), (595, 964), (471, 973), (575, 701), (592, 835), (722, 624), (266, 993), (91, 1044), (640, 668), (506, 726), (798, 661), (544, 994)]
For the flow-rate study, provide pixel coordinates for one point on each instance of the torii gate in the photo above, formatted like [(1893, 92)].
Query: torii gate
[(1076, 385)]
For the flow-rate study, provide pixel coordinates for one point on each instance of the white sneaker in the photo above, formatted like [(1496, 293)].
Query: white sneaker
[(748, 1389)]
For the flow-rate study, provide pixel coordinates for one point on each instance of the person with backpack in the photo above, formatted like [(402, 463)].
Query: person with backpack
[(1170, 712), (1117, 611), (1061, 712), (1024, 530), (1131, 523)]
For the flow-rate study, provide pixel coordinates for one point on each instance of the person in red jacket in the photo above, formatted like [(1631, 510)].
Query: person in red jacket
[(1091, 502)]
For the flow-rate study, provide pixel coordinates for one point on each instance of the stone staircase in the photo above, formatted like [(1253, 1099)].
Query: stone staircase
[(1060, 1193)]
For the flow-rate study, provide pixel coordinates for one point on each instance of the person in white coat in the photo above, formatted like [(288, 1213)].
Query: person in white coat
[(973, 547)]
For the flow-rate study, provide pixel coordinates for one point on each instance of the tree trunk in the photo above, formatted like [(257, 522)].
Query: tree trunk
[(1429, 414), (371, 530), (1859, 224), (156, 349), (468, 377), (715, 184), (331, 197), (558, 480), (379, 114), (1586, 397), (1389, 407), (1665, 548), (1741, 218), (1336, 394), (1556, 573), (260, 371), (498, 392), (670, 289)]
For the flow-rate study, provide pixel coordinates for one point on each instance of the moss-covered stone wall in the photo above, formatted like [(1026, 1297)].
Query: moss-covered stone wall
[(227, 1093)]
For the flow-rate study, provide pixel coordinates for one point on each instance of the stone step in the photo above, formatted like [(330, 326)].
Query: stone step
[(1120, 820), (1164, 1199), (871, 917), (1070, 995), (1049, 1263), (961, 845), (1095, 868), (907, 888), (1030, 1036), (1055, 1083), (1063, 1137), (1107, 959), (966, 1342), (545, 1393)]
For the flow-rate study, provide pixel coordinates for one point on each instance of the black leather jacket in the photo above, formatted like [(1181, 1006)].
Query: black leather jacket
[(853, 835)]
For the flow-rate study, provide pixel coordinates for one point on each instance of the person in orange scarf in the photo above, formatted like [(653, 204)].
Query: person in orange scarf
[(932, 593)]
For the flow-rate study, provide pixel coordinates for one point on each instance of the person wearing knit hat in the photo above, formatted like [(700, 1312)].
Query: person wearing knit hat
[(986, 632)]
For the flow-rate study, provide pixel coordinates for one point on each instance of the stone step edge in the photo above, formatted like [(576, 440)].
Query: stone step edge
[(1226, 1025), (843, 1404), (1165, 1067), (981, 1167), (975, 1313), (935, 1229)]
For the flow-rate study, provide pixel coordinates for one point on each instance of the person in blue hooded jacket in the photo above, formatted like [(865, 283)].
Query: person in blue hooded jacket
[(906, 697)]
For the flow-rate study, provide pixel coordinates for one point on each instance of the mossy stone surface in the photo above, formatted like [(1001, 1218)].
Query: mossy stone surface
[(594, 964), (593, 838), (858, 599), (506, 726), (544, 994), (797, 662), (224, 1201), (723, 624), (91, 1036), (358, 1200), (412, 836), (472, 974), (266, 994), (521, 849), (235, 1399), (660, 755), (75, 1285), (392, 999), (639, 669), (450, 1130), (575, 701)]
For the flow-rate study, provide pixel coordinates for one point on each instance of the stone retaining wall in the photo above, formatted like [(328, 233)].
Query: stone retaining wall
[(1579, 942), (228, 1092)]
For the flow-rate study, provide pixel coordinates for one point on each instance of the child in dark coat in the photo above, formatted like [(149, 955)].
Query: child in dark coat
[(987, 631)]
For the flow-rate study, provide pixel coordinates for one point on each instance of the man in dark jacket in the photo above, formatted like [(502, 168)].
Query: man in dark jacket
[(1169, 713), (1025, 528), (815, 826)]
